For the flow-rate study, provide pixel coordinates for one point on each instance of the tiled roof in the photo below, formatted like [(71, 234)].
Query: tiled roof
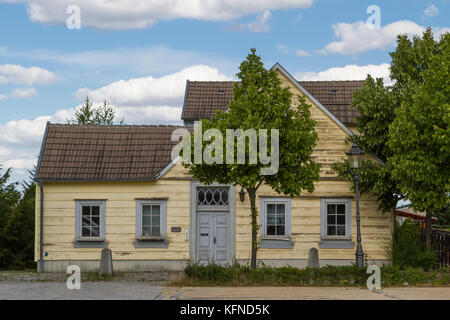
[(336, 96), (203, 98), (122, 152)]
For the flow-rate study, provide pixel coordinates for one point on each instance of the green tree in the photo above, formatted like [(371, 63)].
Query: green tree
[(9, 198), (420, 133), (443, 217), (18, 239), (261, 103), (376, 104), (408, 249), (378, 107), (101, 115)]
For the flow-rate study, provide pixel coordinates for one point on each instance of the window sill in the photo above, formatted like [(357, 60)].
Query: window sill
[(154, 239), (276, 243), (336, 244), (90, 243), (151, 243)]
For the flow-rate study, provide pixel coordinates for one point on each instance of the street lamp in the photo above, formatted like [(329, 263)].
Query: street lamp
[(355, 158), (242, 195)]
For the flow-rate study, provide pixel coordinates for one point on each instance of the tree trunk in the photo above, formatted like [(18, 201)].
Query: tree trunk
[(428, 230), (395, 223), (255, 227)]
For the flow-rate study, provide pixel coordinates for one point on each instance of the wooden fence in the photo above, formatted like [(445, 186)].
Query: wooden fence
[(441, 242)]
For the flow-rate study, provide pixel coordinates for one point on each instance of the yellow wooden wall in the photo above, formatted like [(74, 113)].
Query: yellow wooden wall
[(59, 211), (376, 227), (59, 219)]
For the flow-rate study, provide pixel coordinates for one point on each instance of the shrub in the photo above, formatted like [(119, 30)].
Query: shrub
[(408, 249), (214, 274), (243, 274)]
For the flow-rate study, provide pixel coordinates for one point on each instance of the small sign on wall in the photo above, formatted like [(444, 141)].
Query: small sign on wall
[(175, 229)]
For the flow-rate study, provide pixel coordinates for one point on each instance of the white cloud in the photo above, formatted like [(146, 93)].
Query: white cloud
[(166, 90), (358, 37), (348, 72), (301, 53), (145, 59), (431, 11), (150, 114), (258, 25), (20, 164), (146, 100), (130, 14), (23, 93), (19, 93), (20, 142), (283, 48), (12, 73)]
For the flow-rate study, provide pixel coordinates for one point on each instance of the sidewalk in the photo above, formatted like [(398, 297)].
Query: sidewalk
[(143, 290), (306, 293)]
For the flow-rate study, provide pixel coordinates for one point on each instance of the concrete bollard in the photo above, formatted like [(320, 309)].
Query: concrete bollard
[(106, 265), (313, 258)]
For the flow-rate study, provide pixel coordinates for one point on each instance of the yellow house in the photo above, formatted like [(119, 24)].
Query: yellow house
[(117, 187)]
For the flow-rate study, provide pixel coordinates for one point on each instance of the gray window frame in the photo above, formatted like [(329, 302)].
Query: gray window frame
[(276, 242), (90, 242), (336, 242), (151, 242)]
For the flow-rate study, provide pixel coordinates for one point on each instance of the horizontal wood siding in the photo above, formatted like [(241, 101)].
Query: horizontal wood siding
[(59, 211), (376, 227), (59, 219)]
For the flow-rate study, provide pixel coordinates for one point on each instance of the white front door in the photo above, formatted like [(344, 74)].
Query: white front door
[(212, 237)]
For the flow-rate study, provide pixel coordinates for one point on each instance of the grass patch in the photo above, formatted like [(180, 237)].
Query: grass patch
[(243, 275), (94, 276)]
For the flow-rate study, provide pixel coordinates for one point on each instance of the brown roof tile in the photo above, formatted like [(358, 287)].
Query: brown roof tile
[(203, 98), (84, 152)]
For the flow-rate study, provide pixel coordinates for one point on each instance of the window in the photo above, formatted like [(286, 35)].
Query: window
[(275, 219), (336, 223), (90, 220), (336, 216), (151, 219), (276, 223), (212, 196)]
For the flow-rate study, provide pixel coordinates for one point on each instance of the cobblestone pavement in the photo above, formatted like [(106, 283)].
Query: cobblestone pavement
[(52, 286), (153, 285), (32, 276), (113, 290)]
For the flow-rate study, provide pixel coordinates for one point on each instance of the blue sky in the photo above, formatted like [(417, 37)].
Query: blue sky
[(139, 57)]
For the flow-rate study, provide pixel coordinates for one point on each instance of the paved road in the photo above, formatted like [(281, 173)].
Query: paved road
[(88, 291), (148, 291)]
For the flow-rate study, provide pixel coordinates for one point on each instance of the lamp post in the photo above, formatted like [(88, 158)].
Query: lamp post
[(355, 157)]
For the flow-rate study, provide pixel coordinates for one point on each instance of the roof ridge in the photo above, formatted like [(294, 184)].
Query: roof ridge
[(213, 81), (331, 80), (233, 81), (115, 125)]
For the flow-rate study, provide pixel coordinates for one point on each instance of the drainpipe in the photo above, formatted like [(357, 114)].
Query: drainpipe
[(41, 226)]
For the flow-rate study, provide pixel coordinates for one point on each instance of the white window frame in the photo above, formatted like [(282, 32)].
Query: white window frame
[(162, 219), (348, 218), (287, 218), (79, 223)]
